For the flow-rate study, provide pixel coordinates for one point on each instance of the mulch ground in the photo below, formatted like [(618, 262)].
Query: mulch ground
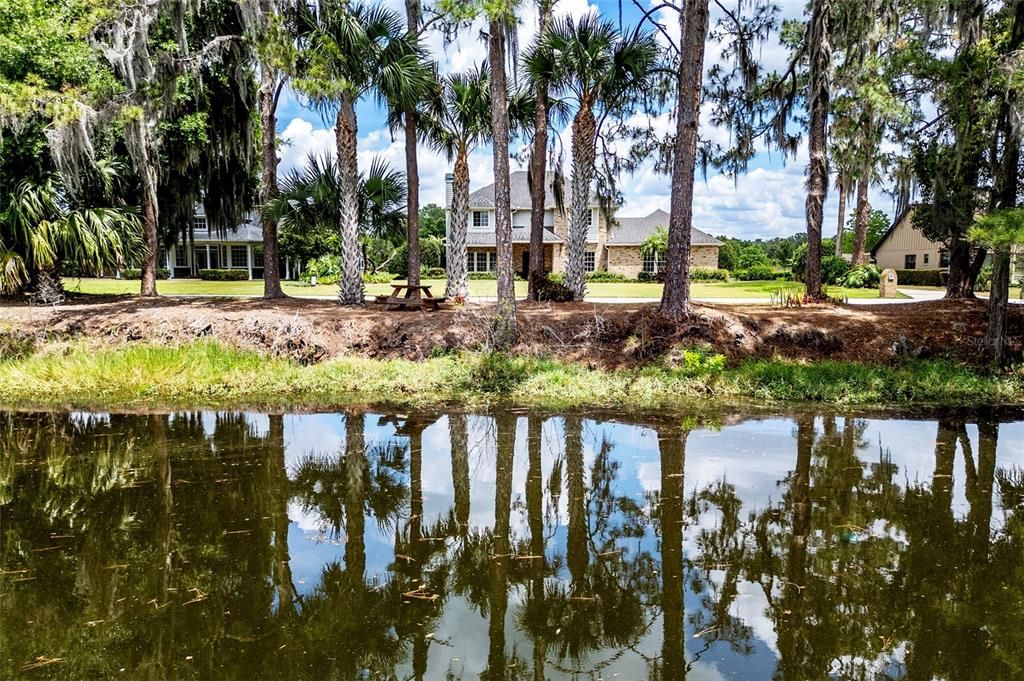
[(599, 335)]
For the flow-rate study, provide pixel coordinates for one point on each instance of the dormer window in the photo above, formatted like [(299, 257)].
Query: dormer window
[(199, 223), (481, 218)]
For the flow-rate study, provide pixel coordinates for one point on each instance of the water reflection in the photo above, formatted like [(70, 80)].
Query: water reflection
[(510, 546)]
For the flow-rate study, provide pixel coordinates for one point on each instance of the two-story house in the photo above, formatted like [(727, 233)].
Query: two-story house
[(612, 248)]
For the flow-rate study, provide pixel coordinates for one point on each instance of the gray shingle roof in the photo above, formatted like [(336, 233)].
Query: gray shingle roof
[(633, 231), (519, 191), (520, 235)]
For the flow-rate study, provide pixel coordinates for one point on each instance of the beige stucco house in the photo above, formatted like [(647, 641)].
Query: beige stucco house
[(613, 248)]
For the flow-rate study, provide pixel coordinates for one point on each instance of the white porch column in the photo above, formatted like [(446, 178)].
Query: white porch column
[(248, 258)]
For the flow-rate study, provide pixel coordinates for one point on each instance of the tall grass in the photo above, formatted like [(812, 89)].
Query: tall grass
[(209, 374)]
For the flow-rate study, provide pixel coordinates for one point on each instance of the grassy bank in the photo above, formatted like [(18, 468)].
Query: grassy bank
[(212, 375), (754, 290)]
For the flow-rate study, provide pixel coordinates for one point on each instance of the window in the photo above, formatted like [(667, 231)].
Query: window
[(650, 263), (925, 258), (240, 257), (215, 259), (199, 223), (482, 261), (910, 262), (943, 258), (589, 261), (180, 256), (481, 218), (590, 219)]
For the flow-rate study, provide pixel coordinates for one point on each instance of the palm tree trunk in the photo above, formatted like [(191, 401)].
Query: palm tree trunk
[(355, 493), (840, 228), (860, 234), (504, 331), (675, 297), (458, 283), (538, 169), (584, 134), (458, 438), (350, 288), (672, 445), (268, 184), (412, 170), (147, 179), (820, 50)]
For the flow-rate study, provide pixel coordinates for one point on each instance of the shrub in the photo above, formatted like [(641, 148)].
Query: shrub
[(223, 275), (862, 276), (708, 274), (499, 373), (326, 269), (833, 269), (755, 273), (376, 277), (548, 289), (920, 278), (482, 275), (135, 273), (984, 280), (433, 273), (651, 276), (601, 275)]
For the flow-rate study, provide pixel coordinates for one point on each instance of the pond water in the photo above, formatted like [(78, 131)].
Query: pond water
[(510, 546)]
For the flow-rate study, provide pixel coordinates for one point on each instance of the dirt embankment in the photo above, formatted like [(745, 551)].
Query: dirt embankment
[(600, 335)]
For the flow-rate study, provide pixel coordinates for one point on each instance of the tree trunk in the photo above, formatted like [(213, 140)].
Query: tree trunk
[(538, 169), (670, 513), (355, 498), (840, 228), (860, 234), (535, 520), (962, 273), (577, 555), (458, 282), (995, 334), (504, 331), (584, 139), (268, 184), (350, 288), (458, 438), (693, 22), (506, 446), (412, 170), (792, 640), (817, 182), (147, 178), (282, 558)]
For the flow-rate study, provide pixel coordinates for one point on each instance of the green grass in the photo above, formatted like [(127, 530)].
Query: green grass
[(733, 289), (212, 375)]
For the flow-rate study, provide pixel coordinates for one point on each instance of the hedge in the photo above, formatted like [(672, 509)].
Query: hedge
[(601, 275), (920, 278), (224, 275), (708, 274), (133, 273)]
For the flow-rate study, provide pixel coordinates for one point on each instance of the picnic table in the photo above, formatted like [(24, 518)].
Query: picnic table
[(414, 297)]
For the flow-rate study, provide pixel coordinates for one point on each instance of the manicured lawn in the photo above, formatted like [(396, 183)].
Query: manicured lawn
[(734, 289)]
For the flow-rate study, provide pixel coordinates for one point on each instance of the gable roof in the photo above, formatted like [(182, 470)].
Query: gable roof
[(519, 193), (633, 231)]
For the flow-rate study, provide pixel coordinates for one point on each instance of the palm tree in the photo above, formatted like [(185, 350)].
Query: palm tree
[(45, 227), (456, 121), (603, 71), (308, 195), (538, 162), (819, 50), (350, 51)]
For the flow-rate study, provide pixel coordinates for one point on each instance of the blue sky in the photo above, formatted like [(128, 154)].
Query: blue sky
[(767, 201)]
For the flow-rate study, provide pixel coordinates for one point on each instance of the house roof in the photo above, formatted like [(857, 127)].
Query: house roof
[(633, 231), (519, 193), (520, 235)]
